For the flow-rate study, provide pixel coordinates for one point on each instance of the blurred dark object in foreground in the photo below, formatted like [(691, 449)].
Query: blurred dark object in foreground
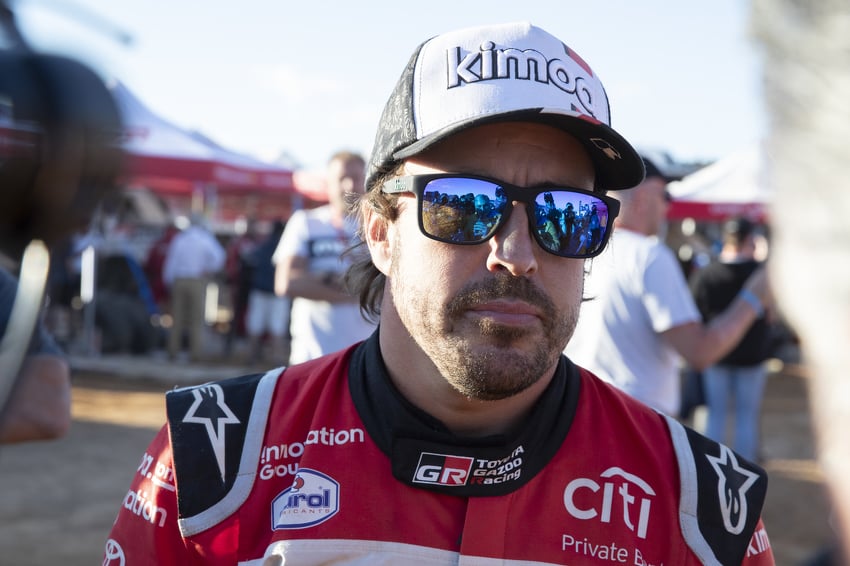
[(59, 147)]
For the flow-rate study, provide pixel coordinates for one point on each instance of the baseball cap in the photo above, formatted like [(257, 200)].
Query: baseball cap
[(500, 73), (652, 170)]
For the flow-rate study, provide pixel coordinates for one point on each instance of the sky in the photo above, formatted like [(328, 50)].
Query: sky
[(306, 78)]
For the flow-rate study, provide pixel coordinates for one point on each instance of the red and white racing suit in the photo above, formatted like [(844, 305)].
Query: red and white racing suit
[(326, 463)]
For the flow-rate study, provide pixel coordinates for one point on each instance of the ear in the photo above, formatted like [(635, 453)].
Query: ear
[(379, 240)]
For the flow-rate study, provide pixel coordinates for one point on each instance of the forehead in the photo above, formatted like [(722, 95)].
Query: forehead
[(654, 184), (346, 166), (520, 153)]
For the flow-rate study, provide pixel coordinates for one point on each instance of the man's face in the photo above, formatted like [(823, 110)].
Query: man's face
[(657, 202), (493, 317), (344, 177)]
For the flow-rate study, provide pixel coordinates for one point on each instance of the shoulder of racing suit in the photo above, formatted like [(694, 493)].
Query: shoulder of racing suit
[(216, 433), (721, 496)]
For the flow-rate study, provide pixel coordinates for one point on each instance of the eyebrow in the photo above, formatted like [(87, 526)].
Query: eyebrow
[(488, 175)]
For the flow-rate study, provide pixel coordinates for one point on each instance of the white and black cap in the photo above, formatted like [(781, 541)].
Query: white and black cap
[(500, 73)]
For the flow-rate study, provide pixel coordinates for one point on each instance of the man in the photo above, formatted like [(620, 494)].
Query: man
[(311, 263), (736, 382), (640, 318), (457, 433), (194, 257), (238, 272)]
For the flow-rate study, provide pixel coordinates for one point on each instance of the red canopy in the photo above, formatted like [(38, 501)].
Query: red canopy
[(186, 168), (168, 174), (169, 159)]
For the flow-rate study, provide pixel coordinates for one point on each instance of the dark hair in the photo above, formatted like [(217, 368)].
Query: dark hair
[(363, 279), (737, 230), (277, 228)]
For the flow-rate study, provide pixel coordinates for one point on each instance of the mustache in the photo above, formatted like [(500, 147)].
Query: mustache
[(500, 287)]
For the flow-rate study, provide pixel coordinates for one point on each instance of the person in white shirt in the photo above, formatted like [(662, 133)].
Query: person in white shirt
[(639, 319), (311, 261), (194, 256)]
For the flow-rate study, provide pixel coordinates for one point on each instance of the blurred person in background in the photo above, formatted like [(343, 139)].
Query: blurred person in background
[(639, 320), (194, 257), (124, 305), (268, 313), (238, 273), (311, 263), (806, 47), (734, 386), (39, 406), (154, 262)]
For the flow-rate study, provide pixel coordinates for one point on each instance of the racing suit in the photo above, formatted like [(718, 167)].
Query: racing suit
[(325, 462)]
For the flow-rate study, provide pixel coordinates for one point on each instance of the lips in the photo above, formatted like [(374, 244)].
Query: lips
[(504, 300), (507, 312)]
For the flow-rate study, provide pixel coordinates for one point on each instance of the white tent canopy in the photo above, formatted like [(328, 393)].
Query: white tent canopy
[(167, 158), (732, 186)]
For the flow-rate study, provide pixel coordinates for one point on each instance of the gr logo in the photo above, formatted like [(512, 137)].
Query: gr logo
[(442, 469)]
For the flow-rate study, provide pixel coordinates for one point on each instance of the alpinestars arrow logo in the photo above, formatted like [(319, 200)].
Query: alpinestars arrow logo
[(210, 410), (734, 482)]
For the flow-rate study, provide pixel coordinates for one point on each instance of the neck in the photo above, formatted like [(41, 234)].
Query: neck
[(732, 253)]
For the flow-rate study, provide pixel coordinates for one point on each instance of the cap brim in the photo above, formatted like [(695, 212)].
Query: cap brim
[(617, 164)]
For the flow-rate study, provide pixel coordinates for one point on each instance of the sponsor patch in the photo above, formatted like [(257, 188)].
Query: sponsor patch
[(313, 498), (442, 469), (733, 482), (113, 554), (617, 497)]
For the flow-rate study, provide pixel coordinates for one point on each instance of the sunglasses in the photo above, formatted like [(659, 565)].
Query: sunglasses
[(468, 209)]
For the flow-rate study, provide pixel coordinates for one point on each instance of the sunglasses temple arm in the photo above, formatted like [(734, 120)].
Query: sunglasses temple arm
[(397, 185)]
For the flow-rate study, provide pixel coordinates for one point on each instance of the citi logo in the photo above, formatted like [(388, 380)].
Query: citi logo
[(583, 499), (442, 469), (489, 63)]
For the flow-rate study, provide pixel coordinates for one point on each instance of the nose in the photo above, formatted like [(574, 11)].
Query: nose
[(513, 248)]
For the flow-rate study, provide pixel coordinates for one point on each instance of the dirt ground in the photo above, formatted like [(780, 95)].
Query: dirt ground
[(59, 498)]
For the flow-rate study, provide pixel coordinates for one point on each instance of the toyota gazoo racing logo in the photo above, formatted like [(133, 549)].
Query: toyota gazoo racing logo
[(442, 469), (113, 554), (312, 499), (602, 500)]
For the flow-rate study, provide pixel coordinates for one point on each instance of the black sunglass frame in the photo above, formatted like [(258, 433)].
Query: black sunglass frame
[(416, 184)]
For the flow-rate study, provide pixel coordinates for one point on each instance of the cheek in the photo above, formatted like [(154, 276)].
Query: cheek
[(434, 271), (424, 263), (566, 282)]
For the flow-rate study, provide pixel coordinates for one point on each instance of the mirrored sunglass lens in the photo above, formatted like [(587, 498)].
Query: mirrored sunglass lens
[(571, 224), (461, 210)]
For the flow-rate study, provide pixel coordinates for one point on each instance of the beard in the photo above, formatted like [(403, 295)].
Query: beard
[(479, 357)]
